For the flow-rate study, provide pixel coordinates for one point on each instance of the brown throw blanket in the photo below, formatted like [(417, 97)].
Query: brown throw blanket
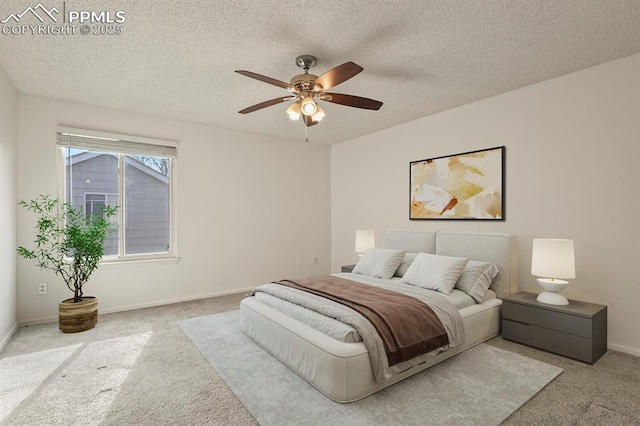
[(407, 326)]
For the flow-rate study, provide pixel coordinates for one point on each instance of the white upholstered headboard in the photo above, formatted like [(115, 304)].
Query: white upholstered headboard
[(498, 248), (411, 241)]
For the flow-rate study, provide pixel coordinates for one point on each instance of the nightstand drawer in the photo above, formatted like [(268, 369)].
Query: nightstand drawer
[(562, 322), (575, 347)]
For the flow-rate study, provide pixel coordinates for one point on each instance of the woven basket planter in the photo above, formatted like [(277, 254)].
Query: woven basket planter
[(75, 317)]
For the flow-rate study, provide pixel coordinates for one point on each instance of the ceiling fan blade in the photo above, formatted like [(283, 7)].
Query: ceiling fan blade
[(352, 101), (338, 75), (264, 104), (265, 79), (308, 121)]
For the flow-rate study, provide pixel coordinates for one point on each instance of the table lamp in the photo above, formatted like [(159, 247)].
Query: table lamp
[(365, 240), (552, 260)]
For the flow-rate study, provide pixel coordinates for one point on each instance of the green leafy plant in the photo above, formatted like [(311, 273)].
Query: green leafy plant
[(68, 242)]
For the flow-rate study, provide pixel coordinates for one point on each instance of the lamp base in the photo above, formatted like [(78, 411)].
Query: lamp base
[(552, 298)]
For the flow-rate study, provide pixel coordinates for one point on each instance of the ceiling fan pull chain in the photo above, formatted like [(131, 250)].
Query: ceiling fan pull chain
[(306, 134)]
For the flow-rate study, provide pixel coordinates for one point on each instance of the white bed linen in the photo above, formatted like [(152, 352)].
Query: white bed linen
[(458, 298), (330, 326), (337, 329)]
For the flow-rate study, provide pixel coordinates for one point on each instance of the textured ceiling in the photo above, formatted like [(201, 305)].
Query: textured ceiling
[(176, 58)]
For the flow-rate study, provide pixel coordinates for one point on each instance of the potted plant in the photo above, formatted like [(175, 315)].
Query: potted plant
[(69, 243)]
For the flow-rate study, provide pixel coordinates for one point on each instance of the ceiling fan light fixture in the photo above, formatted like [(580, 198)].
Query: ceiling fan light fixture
[(294, 111), (319, 115), (308, 106)]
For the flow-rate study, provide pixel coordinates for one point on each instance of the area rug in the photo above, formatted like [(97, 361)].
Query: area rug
[(481, 386)]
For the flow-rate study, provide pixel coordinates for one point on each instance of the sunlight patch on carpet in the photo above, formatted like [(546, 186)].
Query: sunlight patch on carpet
[(21, 375), (82, 393)]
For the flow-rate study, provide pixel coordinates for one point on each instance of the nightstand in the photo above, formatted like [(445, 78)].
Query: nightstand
[(577, 330), (348, 268)]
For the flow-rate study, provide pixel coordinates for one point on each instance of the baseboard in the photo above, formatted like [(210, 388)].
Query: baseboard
[(39, 320), (622, 348), (8, 336), (172, 301), (142, 305)]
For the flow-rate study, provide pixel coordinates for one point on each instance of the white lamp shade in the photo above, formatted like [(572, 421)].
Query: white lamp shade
[(308, 106), (365, 240), (319, 115), (294, 111), (553, 258)]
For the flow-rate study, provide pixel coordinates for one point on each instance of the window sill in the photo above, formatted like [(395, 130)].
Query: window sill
[(119, 263)]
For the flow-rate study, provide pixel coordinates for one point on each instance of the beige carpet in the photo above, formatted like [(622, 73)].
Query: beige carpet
[(171, 383)]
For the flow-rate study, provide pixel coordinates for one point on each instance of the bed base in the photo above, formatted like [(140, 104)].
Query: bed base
[(342, 371)]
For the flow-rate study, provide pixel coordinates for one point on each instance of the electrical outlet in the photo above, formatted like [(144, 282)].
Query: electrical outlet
[(299, 261), (315, 260), (42, 288)]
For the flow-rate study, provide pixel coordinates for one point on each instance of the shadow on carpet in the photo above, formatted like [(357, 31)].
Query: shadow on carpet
[(481, 386)]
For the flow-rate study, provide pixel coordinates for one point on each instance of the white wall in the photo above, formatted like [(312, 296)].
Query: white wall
[(248, 205), (572, 155), (8, 298)]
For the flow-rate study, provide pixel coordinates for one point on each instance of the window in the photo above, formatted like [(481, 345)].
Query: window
[(134, 174), (94, 204)]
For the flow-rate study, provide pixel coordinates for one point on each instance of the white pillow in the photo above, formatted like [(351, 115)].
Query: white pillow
[(380, 263), (476, 279), (404, 265), (435, 272)]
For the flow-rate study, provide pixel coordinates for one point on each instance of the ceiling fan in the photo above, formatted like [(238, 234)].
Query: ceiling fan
[(307, 89)]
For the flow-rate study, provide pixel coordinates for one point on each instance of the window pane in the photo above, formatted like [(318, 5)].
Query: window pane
[(91, 180), (146, 204)]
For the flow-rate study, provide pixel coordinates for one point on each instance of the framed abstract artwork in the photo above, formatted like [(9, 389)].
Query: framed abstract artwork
[(467, 186)]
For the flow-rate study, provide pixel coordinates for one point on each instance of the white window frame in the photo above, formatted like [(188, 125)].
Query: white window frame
[(129, 143)]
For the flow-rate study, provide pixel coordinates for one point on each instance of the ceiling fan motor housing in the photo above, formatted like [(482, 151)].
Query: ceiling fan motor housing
[(303, 82)]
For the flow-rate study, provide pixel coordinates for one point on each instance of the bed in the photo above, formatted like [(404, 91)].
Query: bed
[(342, 370)]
